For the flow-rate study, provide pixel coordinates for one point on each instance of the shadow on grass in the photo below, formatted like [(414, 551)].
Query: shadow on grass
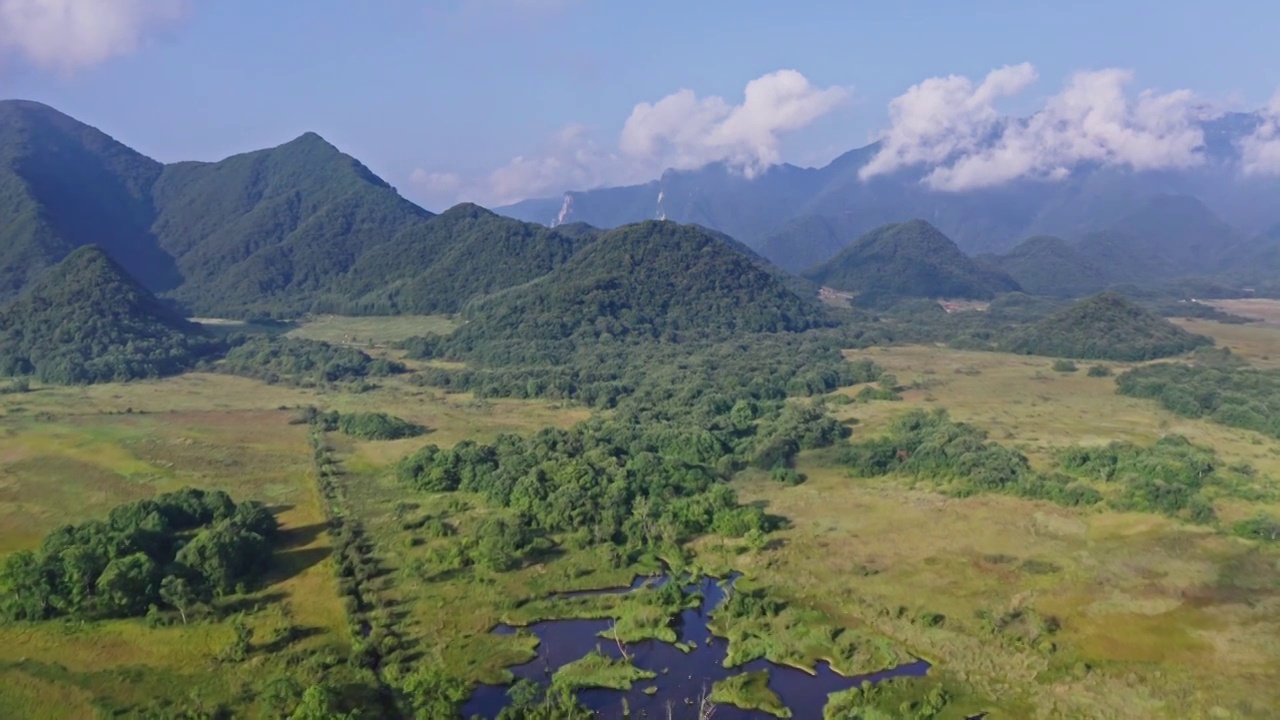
[(302, 535), (292, 563)]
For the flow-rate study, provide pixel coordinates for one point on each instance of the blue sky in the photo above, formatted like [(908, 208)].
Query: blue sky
[(439, 96)]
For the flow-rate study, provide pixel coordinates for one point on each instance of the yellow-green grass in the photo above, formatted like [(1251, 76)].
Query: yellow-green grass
[(1158, 618), (1258, 342), (749, 691), (74, 462), (597, 670), (365, 331)]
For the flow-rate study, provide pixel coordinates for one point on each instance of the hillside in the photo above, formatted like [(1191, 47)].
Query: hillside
[(1046, 265), (1106, 327), (272, 229), (654, 280), (87, 321), (911, 259), (463, 252), (64, 185)]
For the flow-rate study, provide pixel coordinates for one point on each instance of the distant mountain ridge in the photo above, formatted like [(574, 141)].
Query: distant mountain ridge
[(783, 211)]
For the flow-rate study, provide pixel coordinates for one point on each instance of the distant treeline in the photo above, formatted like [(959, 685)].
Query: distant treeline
[(1173, 477), (1223, 392), (176, 550), (296, 361)]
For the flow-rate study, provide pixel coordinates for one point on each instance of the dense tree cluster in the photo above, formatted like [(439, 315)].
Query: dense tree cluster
[(278, 359), (1106, 327), (363, 425), (1172, 477), (87, 321), (761, 367), (176, 550), (1223, 392)]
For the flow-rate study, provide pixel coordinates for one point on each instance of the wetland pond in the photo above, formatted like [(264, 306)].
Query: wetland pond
[(682, 677)]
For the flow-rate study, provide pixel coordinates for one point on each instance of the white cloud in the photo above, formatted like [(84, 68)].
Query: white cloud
[(684, 132), (957, 129), (679, 131), (71, 34), (1260, 150)]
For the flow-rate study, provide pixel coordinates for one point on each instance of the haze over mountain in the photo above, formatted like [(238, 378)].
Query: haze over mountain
[(788, 213)]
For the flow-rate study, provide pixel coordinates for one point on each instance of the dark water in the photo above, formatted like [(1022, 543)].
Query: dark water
[(682, 677)]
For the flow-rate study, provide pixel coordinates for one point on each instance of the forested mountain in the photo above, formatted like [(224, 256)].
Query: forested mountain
[(1046, 265), (910, 259), (273, 228), (86, 320), (1106, 327), (63, 185), (283, 231), (463, 252), (654, 279)]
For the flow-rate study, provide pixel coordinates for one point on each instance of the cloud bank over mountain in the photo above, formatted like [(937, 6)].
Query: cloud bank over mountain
[(954, 126), (953, 130), (681, 130)]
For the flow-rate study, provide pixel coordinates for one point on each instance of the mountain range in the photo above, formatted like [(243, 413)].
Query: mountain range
[(798, 217), (303, 227)]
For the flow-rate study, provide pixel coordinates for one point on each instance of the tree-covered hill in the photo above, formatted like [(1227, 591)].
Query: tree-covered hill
[(649, 280), (465, 251), (86, 320), (1046, 265), (911, 259), (64, 185), (274, 228), (1106, 327)]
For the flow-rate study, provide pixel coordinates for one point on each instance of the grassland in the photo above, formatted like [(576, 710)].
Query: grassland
[(370, 331), (1156, 618), (1026, 609), (598, 670)]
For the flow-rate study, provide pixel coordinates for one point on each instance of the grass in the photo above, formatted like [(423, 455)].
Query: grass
[(598, 670), (371, 331), (749, 691), (1155, 618)]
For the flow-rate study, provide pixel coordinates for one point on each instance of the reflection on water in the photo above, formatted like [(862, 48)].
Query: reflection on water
[(682, 677)]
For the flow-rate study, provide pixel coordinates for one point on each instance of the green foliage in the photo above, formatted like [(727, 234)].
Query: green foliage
[(363, 425), (647, 281), (178, 548), (749, 691), (1221, 391), (895, 699), (1099, 371), (1045, 265), (910, 259), (277, 359), (462, 253), (1171, 477), (1259, 527), (87, 321), (598, 670), (432, 693), (1064, 366), (1106, 327)]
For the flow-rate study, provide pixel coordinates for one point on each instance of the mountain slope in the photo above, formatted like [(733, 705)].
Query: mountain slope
[(1046, 265), (654, 280), (274, 227), (911, 259), (64, 185), (1106, 327), (1166, 237), (465, 251), (86, 320)]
